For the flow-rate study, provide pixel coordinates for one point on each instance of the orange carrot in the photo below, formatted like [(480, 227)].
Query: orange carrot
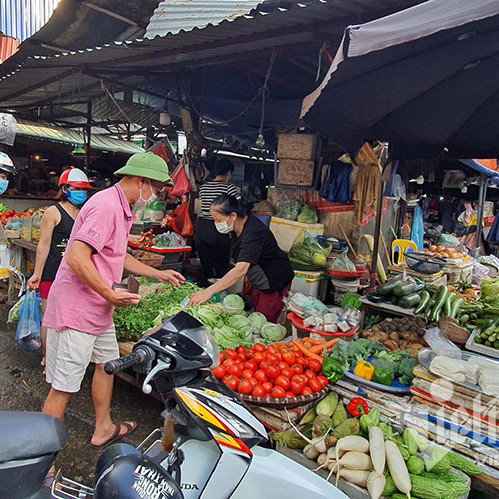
[(306, 352), (320, 348), (314, 341)]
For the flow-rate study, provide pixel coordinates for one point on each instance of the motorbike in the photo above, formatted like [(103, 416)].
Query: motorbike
[(211, 445)]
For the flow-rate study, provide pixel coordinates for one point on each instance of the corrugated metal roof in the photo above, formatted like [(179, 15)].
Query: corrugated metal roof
[(67, 136), (42, 78), (8, 46), (173, 16), (22, 18)]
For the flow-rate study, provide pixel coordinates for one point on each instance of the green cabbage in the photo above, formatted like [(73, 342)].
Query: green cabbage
[(258, 320), (273, 332), (308, 215), (233, 304), (489, 291)]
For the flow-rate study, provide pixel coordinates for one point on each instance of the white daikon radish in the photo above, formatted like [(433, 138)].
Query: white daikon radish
[(375, 485), (377, 449), (357, 477), (398, 468), (322, 459), (311, 452), (350, 443), (354, 460), (320, 444)]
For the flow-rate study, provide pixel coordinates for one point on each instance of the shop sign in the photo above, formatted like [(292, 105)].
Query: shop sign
[(7, 129)]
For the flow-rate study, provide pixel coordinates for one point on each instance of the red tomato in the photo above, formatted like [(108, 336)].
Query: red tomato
[(251, 364), (271, 357), (315, 385), (278, 392), (231, 354), (231, 381), (235, 369), (219, 372), (290, 395), (289, 358), (247, 374), (315, 365), (306, 391), (272, 371), (245, 387), (261, 376), (309, 374), (323, 381), (282, 365), (258, 391), (271, 349), (222, 357), (241, 357), (297, 368), (258, 357), (253, 382), (267, 386), (288, 372), (241, 349), (259, 347), (228, 362), (282, 381), (301, 361), (250, 353), (297, 384)]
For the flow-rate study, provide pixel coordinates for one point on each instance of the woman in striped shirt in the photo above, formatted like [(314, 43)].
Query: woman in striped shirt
[(214, 248)]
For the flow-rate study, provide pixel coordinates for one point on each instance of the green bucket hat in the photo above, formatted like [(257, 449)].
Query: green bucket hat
[(146, 165)]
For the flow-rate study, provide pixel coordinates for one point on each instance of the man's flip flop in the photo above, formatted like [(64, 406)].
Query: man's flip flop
[(130, 428)]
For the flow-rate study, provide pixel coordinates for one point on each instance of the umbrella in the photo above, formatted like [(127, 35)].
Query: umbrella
[(425, 79)]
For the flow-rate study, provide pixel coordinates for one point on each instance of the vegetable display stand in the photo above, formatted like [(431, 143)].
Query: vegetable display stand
[(170, 254), (297, 324), (386, 307), (437, 279)]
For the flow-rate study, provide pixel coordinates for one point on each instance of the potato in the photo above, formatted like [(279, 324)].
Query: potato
[(393, 336), (390, 345)]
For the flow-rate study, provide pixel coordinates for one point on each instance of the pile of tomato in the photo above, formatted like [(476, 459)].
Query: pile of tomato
[(277, 371)]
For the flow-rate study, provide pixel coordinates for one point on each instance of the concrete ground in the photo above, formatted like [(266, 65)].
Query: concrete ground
[(23, 388)]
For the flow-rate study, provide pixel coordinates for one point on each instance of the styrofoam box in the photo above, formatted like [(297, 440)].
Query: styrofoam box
[(310, 284), (285, 231)]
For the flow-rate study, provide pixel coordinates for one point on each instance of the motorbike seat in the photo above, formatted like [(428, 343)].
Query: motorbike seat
[(25, 435)]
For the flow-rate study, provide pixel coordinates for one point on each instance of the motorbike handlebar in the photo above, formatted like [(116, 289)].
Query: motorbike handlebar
[(139, 356)]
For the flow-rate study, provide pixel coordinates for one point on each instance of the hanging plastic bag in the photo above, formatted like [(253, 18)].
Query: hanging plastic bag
[(180, 220), (15, 311), (418, 228), (343, 263), (30, 321), (182, 185), (307, 253)]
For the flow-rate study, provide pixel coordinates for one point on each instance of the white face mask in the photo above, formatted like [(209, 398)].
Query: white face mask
[(141, 202), (224, 227)]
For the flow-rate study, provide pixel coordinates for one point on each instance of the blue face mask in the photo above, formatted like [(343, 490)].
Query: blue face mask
[(77, 197), (4, 184)]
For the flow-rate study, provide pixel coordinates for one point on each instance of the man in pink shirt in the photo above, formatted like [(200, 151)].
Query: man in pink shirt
[(81, 302)]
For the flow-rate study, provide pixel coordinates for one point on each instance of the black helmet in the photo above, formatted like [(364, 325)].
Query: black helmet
[(125, 473)]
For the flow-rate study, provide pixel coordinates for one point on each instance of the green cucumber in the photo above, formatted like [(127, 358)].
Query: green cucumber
[(425, 298), (439, 303), (455, 307), (410, 301), (403, 289), (448, 304), (387, 288)]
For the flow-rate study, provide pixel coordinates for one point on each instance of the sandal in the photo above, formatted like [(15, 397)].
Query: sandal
[(130, 428)]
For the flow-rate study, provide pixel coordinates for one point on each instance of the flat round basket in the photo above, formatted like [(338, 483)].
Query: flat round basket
[(426, 264), (346, 275), (291, 402)]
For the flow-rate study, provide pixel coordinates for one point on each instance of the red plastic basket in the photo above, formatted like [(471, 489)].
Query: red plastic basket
[(343, 274), (297, 321)]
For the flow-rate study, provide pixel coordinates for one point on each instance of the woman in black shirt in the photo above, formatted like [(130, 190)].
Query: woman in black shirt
[(56, 225), (256, 255)]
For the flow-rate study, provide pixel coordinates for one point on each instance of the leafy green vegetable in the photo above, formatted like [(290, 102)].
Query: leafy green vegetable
[(258, 320), (368, 420), (4, 208), (273, 332), (132, 322), (233, 304), (489, 291), (308, 215)]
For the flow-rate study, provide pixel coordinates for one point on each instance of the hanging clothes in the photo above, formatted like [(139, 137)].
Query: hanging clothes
[(366, 189), (336, 187), (493, 236)]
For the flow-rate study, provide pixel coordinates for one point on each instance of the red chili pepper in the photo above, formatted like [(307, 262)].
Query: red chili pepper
[(357, 407)]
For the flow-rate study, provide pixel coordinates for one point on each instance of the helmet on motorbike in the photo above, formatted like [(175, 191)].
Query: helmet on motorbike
[(75, 178), (125, 473)]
